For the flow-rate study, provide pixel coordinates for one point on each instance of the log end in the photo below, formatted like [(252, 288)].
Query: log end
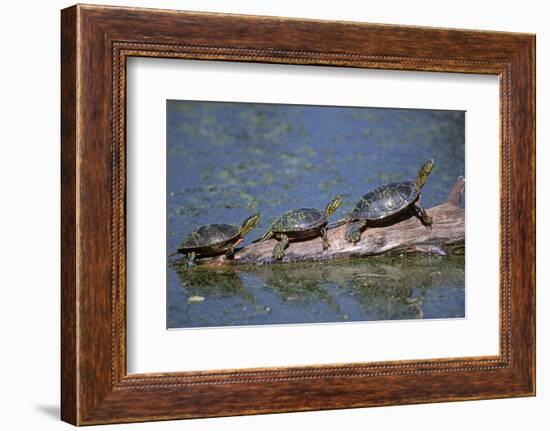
[(456, 193)]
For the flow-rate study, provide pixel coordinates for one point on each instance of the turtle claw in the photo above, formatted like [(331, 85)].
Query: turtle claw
[(353, 236), (429, 222), (324, 238), (354, 230), (230, 252), (278, 252), (421, 213), (280, 247), (190, 259)]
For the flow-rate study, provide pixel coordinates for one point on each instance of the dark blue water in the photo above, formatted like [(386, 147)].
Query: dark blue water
[(227, 160)]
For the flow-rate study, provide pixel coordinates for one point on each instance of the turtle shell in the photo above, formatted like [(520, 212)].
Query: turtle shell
[(386, 200), (209, 235), (297, 220)]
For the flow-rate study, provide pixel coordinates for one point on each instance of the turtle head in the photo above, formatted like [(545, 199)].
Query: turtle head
[(424, 172), (250, 223), (333, 206)]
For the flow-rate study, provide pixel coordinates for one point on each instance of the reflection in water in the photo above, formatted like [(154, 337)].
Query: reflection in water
[(227, 160), (384, 288)]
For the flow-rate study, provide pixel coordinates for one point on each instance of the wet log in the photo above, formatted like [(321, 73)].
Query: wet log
[(406, 236)]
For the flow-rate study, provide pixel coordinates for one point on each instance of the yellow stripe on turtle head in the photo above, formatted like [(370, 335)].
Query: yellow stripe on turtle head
[(250, 223), (424, 172), (333, 206)]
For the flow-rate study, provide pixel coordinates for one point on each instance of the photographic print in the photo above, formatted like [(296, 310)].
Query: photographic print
[(294, 214), (263, 222)]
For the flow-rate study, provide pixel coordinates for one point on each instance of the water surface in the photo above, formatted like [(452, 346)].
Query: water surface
[(227, 160)]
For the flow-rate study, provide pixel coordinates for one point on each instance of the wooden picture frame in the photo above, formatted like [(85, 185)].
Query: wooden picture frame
[(96, 41)]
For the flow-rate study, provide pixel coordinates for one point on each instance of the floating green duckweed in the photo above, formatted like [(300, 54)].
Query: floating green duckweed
[(227, 160)]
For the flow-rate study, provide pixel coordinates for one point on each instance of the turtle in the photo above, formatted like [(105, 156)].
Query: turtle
[(388, 202), (301, 223), (212, 239)]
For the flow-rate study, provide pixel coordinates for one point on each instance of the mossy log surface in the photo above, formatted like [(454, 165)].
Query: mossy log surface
[(446, 236)]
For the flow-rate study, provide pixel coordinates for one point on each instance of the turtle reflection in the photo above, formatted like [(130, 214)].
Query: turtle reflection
[(202, 281), (385, 288)]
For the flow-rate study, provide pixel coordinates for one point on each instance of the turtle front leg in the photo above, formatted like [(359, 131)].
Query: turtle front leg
[(324, 235), (353, 232), (422, 215), (230, 251), (191, 259), (280, 247)]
